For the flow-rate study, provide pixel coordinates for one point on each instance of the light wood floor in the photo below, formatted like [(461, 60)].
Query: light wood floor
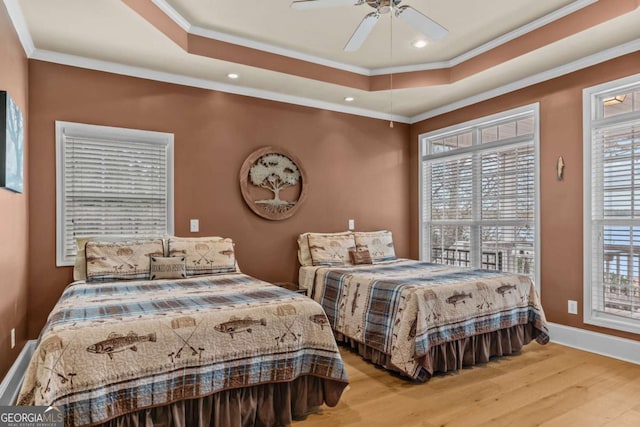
[(549, 385)]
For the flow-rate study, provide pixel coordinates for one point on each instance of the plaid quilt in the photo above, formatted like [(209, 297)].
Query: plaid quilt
[(113, 348), (405, 308)]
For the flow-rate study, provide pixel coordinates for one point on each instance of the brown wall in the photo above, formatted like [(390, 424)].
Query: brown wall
[(356, 167), (14, 211), (561, 201)]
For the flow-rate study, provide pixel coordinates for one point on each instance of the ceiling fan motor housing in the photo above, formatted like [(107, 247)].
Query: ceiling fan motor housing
[(383, 6)]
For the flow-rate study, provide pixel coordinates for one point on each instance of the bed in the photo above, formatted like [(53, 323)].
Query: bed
[(417, 318), (218, 348)]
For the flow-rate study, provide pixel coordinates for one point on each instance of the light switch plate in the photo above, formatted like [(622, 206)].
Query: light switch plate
[(194, 225), (572, 307), (352, 224), (13, 337)]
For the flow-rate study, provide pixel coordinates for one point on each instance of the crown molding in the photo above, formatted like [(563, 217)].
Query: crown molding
[(179, 79), (21, 28), (173, 14), (176, 17), (576, 65), (505, 38), (146, 73), (20, 25), (267, 47)]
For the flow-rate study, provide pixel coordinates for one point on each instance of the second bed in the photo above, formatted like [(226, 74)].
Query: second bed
[(419, 318)]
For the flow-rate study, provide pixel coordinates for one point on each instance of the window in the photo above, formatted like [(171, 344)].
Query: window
[(111, 181), (612, 204), (479, 193)]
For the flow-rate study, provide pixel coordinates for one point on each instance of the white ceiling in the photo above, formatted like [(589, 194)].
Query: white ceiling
[(102, 33), (324, 32)]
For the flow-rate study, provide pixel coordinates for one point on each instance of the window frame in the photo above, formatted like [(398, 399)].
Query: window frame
[(108, 133), (593, 119), (476, 126)]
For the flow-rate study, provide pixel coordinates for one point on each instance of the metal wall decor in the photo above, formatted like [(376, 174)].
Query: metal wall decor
[(560, 169), (273, 183)]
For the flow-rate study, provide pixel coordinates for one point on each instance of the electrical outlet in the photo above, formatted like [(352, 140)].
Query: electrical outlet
[(352, 224), (13, 337), (572, 307), (194, 225)]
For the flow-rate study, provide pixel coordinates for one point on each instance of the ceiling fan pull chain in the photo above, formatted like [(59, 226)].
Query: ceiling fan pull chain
[(391, 74)]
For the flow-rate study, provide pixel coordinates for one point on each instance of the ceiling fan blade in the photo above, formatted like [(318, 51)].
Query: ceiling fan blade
[(417, 20), (362, 32), (317, 4)]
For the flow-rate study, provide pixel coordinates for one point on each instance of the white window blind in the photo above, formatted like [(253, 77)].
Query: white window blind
[(479, 192), (612, 205), (112, 182)]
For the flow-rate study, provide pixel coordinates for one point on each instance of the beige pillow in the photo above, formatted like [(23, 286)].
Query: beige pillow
[(379, 244), (80, 265), (204, 255), (167, 267), (330, 250), (121, 260), (304, 254)]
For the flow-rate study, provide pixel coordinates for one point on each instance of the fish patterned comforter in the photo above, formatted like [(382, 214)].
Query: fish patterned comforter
[(405, 308), (113, 348)]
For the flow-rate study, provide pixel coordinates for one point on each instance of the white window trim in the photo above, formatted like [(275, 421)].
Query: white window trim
[(486, 120), (113, 134), (589, 105)]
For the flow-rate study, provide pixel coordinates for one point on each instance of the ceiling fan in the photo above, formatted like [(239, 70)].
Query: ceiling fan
[(411, 16)]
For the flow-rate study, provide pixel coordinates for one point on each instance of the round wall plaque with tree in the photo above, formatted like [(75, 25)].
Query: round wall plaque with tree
[(273, 183)]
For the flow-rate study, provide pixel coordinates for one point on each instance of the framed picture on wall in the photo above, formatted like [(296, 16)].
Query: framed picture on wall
[(11, 144)]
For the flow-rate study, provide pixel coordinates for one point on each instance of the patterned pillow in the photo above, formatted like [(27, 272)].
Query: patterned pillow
[(330, 250), (360, 256), (121, 260), (80, 265), (205, 255), (379, 244), (304, 254), (167, 267)]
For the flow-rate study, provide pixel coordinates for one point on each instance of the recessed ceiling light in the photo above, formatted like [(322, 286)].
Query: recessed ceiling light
[(233, 76), (419, 44), (349, 99)]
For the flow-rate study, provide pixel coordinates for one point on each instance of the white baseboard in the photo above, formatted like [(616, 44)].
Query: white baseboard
[(10, 386), (595, 342)]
